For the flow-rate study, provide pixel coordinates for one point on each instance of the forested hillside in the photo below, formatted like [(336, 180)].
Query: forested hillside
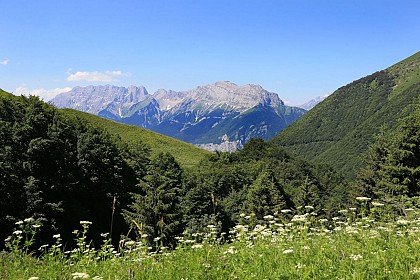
[(338, 130)]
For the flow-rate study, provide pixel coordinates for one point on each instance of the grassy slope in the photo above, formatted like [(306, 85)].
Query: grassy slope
[(339, 129), (186, 154)]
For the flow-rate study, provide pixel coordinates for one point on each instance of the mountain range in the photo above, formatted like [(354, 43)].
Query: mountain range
[(220, 116)]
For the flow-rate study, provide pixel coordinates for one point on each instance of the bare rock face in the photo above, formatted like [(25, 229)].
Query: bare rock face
[(206, 115), (222, 94), (96, 99)]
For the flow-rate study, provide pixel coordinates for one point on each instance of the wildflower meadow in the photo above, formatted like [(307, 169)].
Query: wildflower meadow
[(359, 243)]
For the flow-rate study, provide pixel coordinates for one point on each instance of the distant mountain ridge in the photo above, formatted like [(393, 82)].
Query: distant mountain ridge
[(213, 114), (312, 103)]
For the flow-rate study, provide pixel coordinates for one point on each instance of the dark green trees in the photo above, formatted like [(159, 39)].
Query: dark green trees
[(156, 210), (59, 170), (393, 164), (265, 196)]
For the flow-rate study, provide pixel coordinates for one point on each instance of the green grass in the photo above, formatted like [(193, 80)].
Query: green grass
[(353, 245), (186, 154)]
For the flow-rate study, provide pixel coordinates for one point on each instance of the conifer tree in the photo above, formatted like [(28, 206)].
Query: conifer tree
[(265, 196), (155, 210)]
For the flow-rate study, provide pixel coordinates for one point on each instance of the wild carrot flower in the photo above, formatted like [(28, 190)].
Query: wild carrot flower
[(377, 204), (355, 257), (85, 223), (288, 251), (403, 222), (363, 198), (80, 275)]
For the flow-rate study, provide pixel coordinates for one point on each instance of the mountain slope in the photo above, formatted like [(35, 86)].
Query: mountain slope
[(186, 154), (338, 130), (206, 114)]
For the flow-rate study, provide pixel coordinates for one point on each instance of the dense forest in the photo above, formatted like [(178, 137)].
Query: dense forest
[(341, 128)]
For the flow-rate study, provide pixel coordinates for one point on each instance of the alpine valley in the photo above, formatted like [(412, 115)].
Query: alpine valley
[(221, 116)]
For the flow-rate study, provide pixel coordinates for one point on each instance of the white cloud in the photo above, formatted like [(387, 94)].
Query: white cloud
[(45, 94), (96, 76), (4, 62)]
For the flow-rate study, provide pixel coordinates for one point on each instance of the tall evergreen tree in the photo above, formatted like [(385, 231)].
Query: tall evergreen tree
[(155, 210), (392, 170), (265, 196)]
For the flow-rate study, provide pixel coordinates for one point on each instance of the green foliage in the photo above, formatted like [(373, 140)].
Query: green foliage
[(339, 130), (393, 163), (155, 212), (265, 196), (59, 170)]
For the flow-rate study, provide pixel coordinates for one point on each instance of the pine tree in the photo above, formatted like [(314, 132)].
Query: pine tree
[(155, 210), (265, 196)]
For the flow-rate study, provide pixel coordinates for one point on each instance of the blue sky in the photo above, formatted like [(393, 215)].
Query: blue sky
[(298, 49)]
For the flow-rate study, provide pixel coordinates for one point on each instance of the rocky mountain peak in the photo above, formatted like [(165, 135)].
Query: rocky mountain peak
[(94, 99)]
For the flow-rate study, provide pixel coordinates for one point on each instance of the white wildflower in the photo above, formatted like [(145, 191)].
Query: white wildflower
[(56, 235), (286, 211), (299, 218), (130, 243), (19, 223), (288, 251), (36, 226), (377, 204), (17, 232), (242, 215), (28, 220), (415, 270), (299, 266), (363, 198), (33, 278), (80, 275), (156, 239), (197, 246), (268, 217), (355, 257), (43, 247), (403, 222), (85, 223), (309, 207)]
